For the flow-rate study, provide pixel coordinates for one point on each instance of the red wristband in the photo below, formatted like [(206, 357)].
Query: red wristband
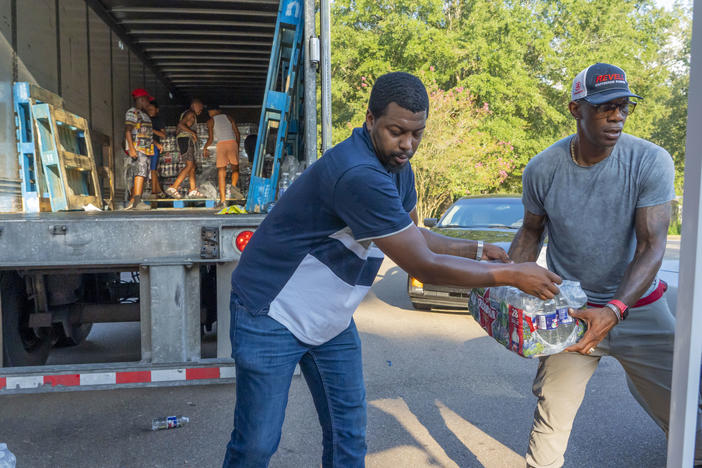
[(623, 308)]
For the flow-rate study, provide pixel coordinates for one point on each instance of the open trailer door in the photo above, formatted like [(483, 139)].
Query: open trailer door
[(688, 332)]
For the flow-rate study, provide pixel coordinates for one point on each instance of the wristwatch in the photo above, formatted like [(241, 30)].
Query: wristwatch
[(479, 251)]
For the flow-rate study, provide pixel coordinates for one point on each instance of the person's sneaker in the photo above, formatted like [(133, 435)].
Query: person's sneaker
[(141, 206), (220, 205), (130, 206), (195, 194), (173, 193)]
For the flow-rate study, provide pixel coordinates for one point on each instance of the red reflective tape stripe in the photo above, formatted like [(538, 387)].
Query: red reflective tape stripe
[(67, 380), (133, 377), (197, 373), (3, 383)]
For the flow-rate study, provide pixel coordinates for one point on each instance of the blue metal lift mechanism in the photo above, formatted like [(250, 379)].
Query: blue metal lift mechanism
[(278, 106)]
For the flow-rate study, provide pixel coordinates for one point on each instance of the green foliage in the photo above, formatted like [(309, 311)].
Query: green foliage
[(458, 155), (515, 61)]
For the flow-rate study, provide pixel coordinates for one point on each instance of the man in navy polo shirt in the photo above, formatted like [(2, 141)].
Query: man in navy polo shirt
[(314, 258)]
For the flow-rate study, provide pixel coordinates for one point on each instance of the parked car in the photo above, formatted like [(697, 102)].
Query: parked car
[(495, 219)]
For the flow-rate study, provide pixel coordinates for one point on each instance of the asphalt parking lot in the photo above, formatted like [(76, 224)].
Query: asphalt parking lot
[(440, 392)]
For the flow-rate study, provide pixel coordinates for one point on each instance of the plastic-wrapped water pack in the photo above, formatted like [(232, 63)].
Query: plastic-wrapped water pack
[(527, 325)]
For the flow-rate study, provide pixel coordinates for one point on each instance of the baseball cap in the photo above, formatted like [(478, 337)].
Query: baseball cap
[(141, 92), (600, 83)]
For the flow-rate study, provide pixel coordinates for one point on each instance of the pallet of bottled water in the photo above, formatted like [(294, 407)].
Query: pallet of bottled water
[(527, 325)]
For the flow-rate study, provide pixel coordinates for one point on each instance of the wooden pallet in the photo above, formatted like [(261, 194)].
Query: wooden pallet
[(67, 158), (105, 163), (165, 203), (33, 185)]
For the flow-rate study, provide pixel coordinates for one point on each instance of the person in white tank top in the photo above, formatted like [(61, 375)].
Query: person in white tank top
[(223, 129)]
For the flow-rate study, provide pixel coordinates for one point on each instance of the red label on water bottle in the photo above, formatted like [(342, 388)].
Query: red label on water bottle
[(516, 330), (172, 422), (487, 313)]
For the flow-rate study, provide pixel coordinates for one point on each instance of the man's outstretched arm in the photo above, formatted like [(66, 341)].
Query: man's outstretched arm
[(410, 250), (459, 247)]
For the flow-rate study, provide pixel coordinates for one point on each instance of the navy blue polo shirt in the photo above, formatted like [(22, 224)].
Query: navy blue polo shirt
[(312, 260)]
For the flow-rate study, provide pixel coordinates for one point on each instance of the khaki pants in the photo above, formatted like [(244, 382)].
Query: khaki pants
[(643, 345)]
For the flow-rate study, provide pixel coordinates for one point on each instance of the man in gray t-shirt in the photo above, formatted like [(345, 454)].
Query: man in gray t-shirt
[(604, 198), (590, 211)]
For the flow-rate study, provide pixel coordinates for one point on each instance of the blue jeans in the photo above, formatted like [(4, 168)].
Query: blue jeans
[(154, 159), (266, 354)]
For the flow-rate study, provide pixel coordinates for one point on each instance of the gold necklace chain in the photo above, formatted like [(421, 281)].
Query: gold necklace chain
[(572, 150)]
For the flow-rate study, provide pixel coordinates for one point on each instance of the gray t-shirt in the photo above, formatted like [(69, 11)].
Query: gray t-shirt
[(591, 210)]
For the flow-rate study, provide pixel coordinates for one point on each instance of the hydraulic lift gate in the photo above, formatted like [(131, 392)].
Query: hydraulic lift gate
[(169, 289)]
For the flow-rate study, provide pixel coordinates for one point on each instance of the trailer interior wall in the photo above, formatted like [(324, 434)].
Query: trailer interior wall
[(9, 182), (63, 46)]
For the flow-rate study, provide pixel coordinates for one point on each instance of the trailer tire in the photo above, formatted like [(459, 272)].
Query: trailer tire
[(22, 346), (78, 334)]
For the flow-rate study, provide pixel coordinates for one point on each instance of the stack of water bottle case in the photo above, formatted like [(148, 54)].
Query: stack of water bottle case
[(527, 325), (170, 162)]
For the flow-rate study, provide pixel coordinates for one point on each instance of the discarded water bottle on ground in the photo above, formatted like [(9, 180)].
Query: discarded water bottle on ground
[(169, 422), (7, 458), (527, 325)]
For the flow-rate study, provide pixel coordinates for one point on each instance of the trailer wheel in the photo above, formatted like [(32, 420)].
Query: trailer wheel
[(78, 334), (22, 346)]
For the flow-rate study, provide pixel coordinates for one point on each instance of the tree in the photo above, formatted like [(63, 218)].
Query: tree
[(457, 156), (670, 126), (517, 58)]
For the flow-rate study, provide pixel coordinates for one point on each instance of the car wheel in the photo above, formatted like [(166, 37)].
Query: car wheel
[(22, 345), (421, 306)]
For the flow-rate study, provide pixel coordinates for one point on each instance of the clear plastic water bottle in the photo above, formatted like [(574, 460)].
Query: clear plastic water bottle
[(527, 325), (284, 183), (169, 422), (7, 458), (555, 326)]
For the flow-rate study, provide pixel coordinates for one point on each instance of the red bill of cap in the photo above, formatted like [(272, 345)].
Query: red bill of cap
[(140, 92)]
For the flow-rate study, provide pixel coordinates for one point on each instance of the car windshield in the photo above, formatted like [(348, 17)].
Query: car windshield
[(484, 213)]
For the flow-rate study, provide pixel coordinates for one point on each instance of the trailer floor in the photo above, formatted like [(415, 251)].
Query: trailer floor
[(120, 214)]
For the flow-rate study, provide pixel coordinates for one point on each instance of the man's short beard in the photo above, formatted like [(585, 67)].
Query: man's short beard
[(394, 169)]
